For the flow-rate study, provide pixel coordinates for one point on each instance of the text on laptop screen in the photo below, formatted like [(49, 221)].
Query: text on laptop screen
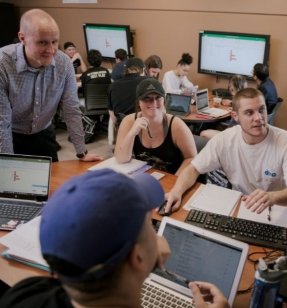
[(24, 176), (196, 257), (201, 99), (179, 103)]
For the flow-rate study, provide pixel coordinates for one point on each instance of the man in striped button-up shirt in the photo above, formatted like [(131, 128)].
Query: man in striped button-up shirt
[(35, 79)]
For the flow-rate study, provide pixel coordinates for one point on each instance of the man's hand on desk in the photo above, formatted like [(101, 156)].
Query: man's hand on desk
[(173, 202), (259, 200), (207, 295), (91, 157)]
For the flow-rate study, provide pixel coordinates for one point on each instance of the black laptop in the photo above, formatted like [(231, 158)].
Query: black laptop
[(177, 104), (24, 188)]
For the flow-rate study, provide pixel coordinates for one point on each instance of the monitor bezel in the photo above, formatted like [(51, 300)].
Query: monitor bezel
[(200, 70), (129, 37)]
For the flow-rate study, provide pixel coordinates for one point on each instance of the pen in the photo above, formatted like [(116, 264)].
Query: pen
[(177, 276), (269, 213), (148, 132)]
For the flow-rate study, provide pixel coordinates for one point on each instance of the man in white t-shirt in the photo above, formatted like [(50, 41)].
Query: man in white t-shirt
[(253, 156)]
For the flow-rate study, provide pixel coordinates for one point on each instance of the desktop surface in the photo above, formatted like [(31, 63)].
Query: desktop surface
[(12, 271)]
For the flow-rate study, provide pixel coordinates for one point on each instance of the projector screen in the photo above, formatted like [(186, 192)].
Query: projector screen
[(230, 53), (108, 38)]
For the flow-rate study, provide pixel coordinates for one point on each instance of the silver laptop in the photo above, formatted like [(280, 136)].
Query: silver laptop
[(177, 104), (197, 255), (24, 188), (202, 105)]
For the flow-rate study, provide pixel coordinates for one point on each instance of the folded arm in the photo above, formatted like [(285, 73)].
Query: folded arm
[(128, 130)]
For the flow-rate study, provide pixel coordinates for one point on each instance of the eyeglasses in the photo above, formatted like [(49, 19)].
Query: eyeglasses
[(151, 99)]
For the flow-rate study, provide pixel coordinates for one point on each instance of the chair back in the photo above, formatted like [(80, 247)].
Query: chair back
[(271, 116), (96, 99)]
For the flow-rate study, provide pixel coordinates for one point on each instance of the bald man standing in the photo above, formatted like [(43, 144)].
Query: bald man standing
[(35, 79)]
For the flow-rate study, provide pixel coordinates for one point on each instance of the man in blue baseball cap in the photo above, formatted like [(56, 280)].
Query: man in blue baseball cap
[(96, 234)]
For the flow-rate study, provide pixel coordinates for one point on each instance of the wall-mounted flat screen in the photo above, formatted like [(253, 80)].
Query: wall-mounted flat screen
[(107, 38), (230, 53)]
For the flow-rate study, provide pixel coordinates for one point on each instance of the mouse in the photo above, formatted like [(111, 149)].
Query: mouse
[(162, 211)]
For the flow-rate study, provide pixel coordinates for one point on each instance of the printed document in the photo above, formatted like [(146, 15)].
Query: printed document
[(24, 246)]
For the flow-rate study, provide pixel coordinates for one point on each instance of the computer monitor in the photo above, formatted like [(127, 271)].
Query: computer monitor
[(231, 53), (107, 38)]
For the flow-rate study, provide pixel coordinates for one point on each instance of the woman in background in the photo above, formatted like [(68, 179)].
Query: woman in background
[(77, 60), (152, 135), (176, 81), (153, 66)]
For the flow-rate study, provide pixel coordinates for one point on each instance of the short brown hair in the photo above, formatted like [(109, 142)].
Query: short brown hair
[(245, 93)]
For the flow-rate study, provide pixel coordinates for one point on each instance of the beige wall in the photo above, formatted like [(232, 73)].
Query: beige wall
[(170, 27)]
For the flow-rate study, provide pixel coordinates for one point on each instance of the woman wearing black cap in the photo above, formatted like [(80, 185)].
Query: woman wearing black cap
[(153, 135)]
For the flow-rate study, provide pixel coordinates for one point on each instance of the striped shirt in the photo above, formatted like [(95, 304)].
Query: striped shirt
[(30, 97)]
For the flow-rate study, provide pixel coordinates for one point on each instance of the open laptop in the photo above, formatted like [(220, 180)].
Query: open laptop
[(198, 255), (24, 188), (177, 104), (202, 106)]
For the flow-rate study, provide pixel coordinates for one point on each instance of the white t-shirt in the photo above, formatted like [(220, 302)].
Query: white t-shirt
[(247, 167), (176, 84)]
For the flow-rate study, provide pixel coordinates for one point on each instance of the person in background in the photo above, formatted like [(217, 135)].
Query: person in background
[(122, 92), (237, 83), (96, 73), (35, 79), (176, 81), (118, 71), (265, 85), (77, 60), (253, 156), (91, 267), (153, 66), (152, 135)]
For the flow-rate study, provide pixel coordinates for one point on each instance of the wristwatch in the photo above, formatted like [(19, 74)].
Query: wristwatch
[(82, 155)]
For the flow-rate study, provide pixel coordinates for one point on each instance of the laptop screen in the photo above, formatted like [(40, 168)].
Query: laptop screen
[(178, 103), (201, 255), (202, 99), (24, 175)]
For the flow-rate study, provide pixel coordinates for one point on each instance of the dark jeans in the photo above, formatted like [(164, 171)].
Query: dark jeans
[(41, 144)]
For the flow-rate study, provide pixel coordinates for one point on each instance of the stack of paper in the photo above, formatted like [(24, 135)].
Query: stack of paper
[(214, 199), (134, 166), (24, 246)]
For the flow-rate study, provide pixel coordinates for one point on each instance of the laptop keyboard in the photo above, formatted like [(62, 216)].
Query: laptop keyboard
[(21, 211), (156, 297)]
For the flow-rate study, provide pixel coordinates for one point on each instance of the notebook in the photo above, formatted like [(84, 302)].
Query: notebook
[(177, 104), (24, 188), (132, 167), (199, 254), (202, 106)]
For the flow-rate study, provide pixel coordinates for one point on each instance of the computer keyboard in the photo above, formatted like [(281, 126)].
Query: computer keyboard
[(248, 231), (19, 211), (155, 297)]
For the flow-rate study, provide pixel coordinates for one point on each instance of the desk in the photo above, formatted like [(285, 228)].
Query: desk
[(12, 271), (199, 120)]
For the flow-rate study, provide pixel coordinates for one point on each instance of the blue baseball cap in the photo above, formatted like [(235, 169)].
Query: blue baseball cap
[(94, 220)]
